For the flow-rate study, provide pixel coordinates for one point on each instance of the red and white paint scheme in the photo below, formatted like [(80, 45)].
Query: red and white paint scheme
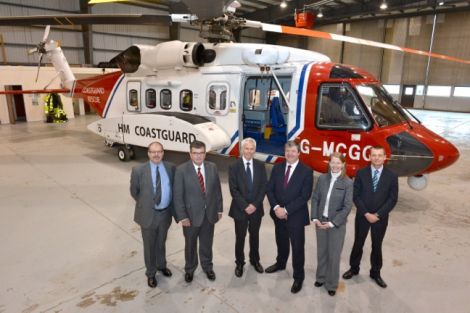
[(176, 92)]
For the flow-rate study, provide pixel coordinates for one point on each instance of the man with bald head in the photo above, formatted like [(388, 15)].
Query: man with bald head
[(151, 188)]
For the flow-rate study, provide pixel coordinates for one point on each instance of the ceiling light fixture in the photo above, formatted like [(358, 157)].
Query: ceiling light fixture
[(283, 4), (383, 6), (441, 3), (320, 14)]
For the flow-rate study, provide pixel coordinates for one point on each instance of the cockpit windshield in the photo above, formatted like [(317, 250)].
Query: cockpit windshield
[(382, 106)]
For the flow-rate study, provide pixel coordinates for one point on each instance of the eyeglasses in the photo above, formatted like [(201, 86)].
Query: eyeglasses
[(155, 151)]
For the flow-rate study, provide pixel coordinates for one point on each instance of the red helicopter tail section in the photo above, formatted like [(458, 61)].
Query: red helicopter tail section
[(97, 91)]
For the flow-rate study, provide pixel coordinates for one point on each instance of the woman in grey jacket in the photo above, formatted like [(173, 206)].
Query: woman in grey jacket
[(331, 203)]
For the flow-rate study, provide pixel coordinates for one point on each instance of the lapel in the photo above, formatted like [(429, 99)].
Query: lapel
[(148, 176), (293, 175), (368, 179), (208, 177), (193, 173)]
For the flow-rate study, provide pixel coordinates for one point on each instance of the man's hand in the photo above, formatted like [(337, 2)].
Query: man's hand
[(186, 222), (250, 209), (371, 218), (281, 213)]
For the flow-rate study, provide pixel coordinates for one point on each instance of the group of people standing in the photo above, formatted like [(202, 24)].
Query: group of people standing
[(191, 193)]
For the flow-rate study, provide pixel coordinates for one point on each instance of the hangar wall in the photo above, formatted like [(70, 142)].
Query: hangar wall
[(24, 76)]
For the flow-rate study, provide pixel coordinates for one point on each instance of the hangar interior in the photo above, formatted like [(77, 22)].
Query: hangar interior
[(69, 242)]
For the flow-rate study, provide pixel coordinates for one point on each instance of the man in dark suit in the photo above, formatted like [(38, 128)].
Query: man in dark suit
[(375, 195), (151, 188), (289, 190), (197, 198), (247, 182)]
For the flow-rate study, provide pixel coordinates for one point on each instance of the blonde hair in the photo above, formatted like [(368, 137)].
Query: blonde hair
[(342, 158)]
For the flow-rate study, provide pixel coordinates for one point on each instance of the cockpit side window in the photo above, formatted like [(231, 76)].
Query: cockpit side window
[(339, 108)]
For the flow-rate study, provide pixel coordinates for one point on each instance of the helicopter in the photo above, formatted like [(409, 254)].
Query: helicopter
[(220, 92)]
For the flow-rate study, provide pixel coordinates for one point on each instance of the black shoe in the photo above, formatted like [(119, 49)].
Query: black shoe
[(152, 282), (188, 277), (258, 267), (332, 292), (318, 284), (210, 275), (166, 272), (239, 270), (296, 286), (379, 281), (350, 273), (273, 268)]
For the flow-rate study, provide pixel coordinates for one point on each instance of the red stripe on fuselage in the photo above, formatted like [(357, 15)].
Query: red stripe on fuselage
[(96, 90)]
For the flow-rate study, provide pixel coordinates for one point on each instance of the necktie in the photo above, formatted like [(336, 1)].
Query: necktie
[(375, 180), (286, 176), (158, 188), (249, 178), (201, 180)]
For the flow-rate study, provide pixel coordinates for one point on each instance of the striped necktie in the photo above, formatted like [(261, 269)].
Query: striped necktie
[(286, 176), (375, 180), (201, 180)]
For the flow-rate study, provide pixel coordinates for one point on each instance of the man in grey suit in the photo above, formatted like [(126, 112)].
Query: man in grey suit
[(247, 182), (197, 198), (151, 188)]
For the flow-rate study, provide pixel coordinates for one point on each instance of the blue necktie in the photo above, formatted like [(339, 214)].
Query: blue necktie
[(375, 180)]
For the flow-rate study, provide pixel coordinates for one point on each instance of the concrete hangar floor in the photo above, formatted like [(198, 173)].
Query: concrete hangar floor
[(69, 243)]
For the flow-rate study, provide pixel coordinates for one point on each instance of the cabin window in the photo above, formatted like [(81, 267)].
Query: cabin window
[(150, 98), (339, 108), (217, 99), (165, 99), (186, 100), (134, 99)]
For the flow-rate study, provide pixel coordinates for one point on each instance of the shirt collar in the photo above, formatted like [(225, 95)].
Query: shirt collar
[(379, 169), (245, 161)]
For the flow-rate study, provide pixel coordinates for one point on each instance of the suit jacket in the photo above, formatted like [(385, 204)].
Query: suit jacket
[(341, 199), (383, 200), (142, 191), (237, 181), (188, 199), (295, 197)]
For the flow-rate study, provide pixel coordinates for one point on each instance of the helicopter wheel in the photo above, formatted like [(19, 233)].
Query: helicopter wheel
[(131, 152), (124, 154)]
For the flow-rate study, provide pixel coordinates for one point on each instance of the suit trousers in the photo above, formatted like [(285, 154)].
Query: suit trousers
[(205, 234), (329, 247), (154, 238), (295, 235), (377, 230), (252, 224)]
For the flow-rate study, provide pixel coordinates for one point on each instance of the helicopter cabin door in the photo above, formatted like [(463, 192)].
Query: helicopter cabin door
[(265, 113)]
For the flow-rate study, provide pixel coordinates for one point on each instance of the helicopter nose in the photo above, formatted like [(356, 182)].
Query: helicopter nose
[(444, 152)]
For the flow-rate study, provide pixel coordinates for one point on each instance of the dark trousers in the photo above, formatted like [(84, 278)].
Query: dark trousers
[(205, 234), (154, 239), (377, 231), (295, 235), (252, 224)]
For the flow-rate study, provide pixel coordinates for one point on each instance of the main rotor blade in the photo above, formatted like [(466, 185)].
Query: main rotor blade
[(324, 35), (80, 19)]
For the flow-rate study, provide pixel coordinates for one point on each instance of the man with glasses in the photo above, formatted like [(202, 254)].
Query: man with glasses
[(198, 206), (151, 187)]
